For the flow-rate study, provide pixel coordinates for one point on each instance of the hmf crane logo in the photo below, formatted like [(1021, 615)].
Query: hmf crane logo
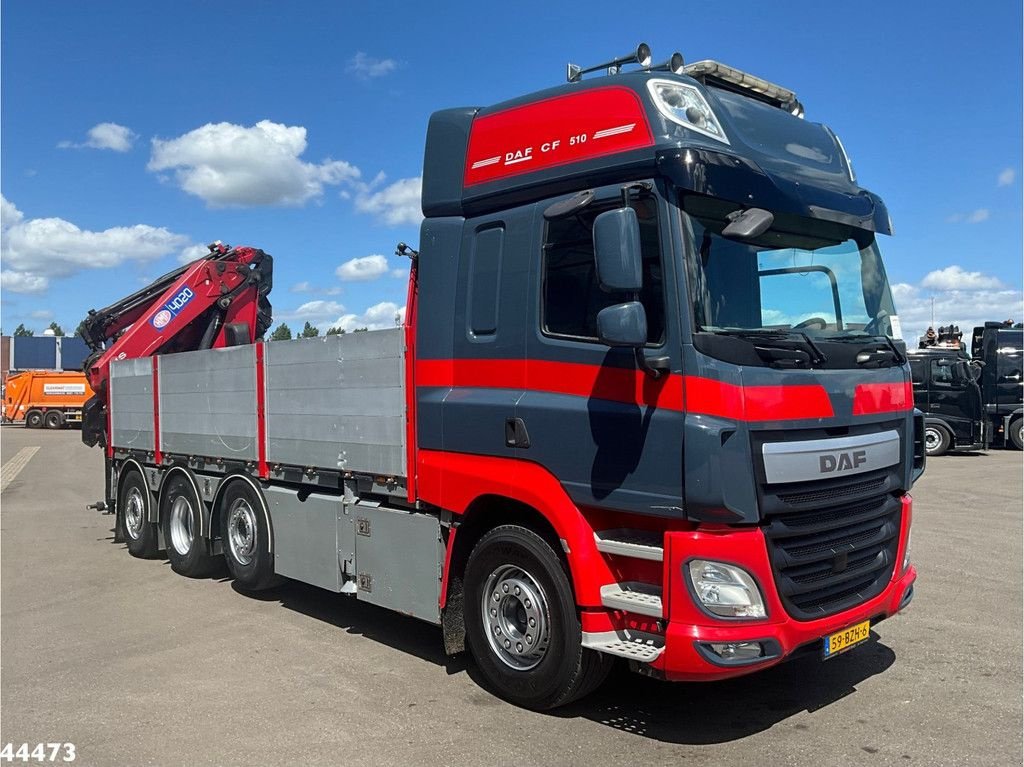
[(171, 309)]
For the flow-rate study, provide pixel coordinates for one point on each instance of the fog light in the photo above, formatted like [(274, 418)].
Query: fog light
[(739, 651), (725, 590)]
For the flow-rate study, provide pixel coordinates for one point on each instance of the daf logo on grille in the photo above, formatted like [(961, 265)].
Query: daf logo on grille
[(832, 462)]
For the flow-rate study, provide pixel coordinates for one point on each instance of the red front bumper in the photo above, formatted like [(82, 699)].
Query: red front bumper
[(687, 625)]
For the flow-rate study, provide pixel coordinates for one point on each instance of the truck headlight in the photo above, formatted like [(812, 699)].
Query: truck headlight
[(725, 590), (685, 105), (906, 551)]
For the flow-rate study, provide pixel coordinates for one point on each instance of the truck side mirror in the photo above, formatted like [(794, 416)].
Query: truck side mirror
[(623, 325), (617, 251)]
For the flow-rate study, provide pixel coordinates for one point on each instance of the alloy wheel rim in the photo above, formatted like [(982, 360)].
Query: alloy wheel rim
[(181, 525), (134, 513), (516, 617), (242, 532)]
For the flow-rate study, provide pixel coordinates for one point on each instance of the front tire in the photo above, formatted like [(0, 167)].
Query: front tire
[(246, 539), (138, 533), (1016, 433), (936, 440), (34, 419), (181, 515), (522, 626)]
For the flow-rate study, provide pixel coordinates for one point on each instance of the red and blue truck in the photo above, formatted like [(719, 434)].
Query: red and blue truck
[(648, 401)]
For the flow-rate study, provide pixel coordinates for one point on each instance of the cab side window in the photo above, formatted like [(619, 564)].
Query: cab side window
[(942, 374), (572, 297), (918, 371)]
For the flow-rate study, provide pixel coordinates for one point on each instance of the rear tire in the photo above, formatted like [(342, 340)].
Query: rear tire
[(522, 626), (246, 539), (181, 516), (34, 419), (133, 503), (54, 420), (936, 440), (1016, 433)]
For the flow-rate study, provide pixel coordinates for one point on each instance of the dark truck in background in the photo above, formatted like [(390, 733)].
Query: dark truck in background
[(998, 349), (947, 392)]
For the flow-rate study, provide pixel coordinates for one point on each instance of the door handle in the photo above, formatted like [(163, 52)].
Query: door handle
[(515, 433)]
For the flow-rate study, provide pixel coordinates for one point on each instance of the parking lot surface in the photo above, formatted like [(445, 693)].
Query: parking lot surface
[(138, 666)]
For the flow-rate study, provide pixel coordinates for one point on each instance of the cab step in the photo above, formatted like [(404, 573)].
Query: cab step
[(633, 597), (624, 542), (635, 645)]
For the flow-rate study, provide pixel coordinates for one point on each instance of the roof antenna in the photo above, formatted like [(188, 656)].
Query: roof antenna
[(642, 56)]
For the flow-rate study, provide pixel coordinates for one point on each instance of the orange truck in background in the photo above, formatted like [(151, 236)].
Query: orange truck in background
[(45, 398)]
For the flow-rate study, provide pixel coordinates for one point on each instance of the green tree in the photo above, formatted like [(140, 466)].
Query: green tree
[(22, 331), (80, 330), (57, 329), (360, 330), (309, 331), (281, 333), (335, 331)]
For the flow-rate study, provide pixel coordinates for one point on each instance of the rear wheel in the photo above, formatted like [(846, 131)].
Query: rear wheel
[(181, 517), (936, 439), (1016, 433), (34, 419), (246, 539), (133, 502), (521, 622), (54, 420)]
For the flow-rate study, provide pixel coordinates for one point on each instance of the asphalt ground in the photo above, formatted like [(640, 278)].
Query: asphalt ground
[(138, 666)]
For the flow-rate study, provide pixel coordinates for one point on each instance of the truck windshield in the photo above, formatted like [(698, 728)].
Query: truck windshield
[(813, 277)]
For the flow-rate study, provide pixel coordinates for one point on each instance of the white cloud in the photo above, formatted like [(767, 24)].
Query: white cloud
[(307, 287), (967, 299), (363, 269), (23, 282), (313, 311), (41, 314), (231, 165), (974, 217), (35, 250), (394, 205), (377, 317), (192, 252), (955, 278), (365, 67), (104, 136), (1006, 176)]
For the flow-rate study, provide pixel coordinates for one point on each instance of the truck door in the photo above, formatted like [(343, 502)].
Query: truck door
[(610, 434), (950, 398)]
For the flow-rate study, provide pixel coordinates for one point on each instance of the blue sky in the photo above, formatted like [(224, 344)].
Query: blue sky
[(132, 132)]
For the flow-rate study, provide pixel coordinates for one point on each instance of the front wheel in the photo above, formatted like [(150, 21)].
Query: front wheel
[(1016, 433), (34, 419), (181, 516), (521, 622), (936, 440)]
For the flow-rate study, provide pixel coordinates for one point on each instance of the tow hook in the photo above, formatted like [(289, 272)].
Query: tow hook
[(100, 506)]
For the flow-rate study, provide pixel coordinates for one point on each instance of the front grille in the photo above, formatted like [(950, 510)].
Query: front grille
[(828, 560), (834, 492)]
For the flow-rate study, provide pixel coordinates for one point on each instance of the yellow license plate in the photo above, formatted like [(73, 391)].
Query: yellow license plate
[(841, 641)]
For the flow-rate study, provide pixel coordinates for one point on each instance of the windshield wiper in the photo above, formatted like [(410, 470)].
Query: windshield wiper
[(896, 353), (782, 356)]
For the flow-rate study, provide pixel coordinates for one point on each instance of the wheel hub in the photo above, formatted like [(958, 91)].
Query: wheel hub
[(931, 439), (241, 529), (514, 610), (134, 513), (181, 525)]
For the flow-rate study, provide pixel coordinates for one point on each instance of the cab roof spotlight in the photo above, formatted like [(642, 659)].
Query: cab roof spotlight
[(642, 56)]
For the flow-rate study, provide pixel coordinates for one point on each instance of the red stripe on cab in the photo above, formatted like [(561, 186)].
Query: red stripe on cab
[(883, 398)]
